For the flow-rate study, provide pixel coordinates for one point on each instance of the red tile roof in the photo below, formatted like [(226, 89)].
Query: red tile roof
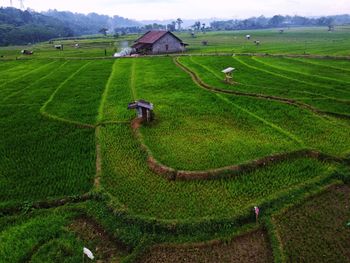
[(151, 37)]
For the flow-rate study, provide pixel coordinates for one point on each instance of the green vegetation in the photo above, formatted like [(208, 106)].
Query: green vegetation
[(262, 76), (46, 235), (40, 158), (204, 131), (69, 102), (164, 199), (309, 40), (74, 172), (22, 27), (297, 41)]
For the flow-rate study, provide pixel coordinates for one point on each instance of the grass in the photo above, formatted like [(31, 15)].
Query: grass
[(254, 75), (153, 196), (309, 40), (204, 131), (78, 98), (42, 159), (312, 40), (117, 95), (59, 235), (50, 110), (48, 241)]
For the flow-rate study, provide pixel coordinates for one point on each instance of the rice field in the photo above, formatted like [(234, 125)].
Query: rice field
[(73, 168)]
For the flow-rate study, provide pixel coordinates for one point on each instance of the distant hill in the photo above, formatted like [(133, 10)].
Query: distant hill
[(19, 27), (22, 27), (90, 24)]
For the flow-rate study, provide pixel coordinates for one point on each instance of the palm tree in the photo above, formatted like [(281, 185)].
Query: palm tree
[(179, 22)]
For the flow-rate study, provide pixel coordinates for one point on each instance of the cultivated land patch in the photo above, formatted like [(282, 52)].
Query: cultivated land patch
[(198, 199), (251, 247), (42, 159), (95, 237), (68, 138), (317, 231), (254, 75)]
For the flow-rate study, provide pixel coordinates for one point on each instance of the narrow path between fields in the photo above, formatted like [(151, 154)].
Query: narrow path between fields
[(105, 92)]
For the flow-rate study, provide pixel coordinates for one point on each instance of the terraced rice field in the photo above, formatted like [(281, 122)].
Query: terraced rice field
[(277, 136)]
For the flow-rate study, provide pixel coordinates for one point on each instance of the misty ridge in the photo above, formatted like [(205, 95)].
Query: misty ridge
[(19, 27)]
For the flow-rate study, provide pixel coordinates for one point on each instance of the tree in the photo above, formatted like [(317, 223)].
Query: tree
[(171, 27), (103, 31), (154, 26), (179, 22), (203, 28), (276, 21), (196, 25)]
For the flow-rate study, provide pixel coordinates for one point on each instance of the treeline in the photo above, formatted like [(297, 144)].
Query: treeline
[(262, 22), (173, 26), (22, 27), (19, 27), (92, 23)]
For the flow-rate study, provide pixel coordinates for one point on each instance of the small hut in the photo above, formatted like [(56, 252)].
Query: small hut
[(59, 47), (144, 109), (228, 75), (27, 52)]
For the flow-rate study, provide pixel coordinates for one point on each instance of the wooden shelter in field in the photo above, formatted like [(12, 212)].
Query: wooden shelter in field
[(27, 52), (158, 42), (143, 108), (228, 74), (59, 47)]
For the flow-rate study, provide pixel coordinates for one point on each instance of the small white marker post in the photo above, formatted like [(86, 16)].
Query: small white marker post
[(88, 253), (257, 211)]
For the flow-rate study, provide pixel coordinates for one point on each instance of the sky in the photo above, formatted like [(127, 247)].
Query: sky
[(192, 9)]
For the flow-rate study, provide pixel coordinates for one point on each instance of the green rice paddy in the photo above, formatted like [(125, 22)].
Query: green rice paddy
[(66, 137)]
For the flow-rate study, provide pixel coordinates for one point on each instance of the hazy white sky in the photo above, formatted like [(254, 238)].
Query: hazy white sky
[(164, 9)]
